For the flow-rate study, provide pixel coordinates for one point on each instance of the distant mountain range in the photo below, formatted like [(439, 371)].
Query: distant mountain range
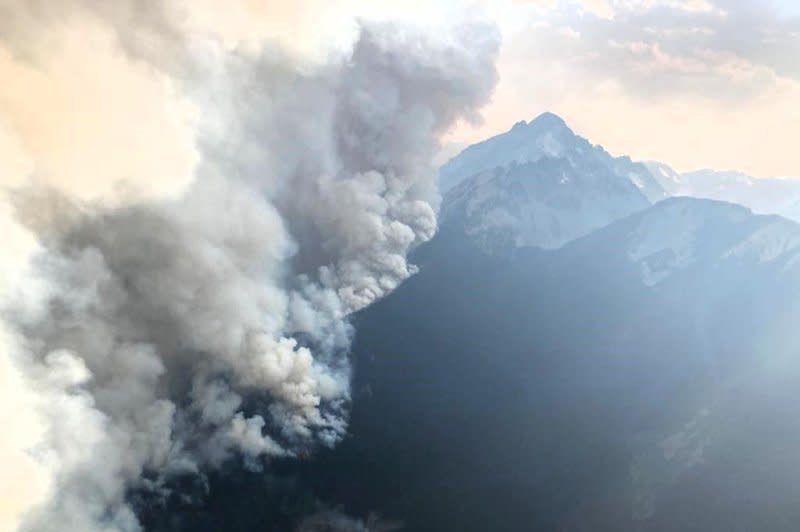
[(762, 195)]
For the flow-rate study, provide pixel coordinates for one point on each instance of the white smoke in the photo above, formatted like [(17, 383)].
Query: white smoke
[(141, 331)]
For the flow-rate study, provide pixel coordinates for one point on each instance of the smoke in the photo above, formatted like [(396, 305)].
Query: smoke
[(147, 337), (351, 146), (334, 521)]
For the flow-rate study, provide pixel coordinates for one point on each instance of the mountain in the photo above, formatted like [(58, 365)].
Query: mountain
[(670, 180), (642, 377), (685, 233), (540, 185), (544, 203), (639, 378), (570, 356), (762, 195), (545, 136)]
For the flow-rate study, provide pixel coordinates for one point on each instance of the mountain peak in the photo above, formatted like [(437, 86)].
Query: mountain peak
[(544, 123), (546, 136), (549, 119)]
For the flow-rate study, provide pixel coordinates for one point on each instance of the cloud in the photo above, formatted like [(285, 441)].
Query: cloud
[(720, 50), (693, 84)]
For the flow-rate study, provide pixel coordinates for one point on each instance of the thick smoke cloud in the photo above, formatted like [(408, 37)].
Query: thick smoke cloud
[(161, 337), (351, 147)]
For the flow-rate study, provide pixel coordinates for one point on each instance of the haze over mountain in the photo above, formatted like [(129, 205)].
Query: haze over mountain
[(544, 203), (636, 379), (641, 376), (594, 387), (540, 185), (763, 195), (545, 136)]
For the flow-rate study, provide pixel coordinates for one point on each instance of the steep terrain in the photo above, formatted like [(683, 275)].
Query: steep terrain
[(643, 377), (576, 353), (540, 185), (545, 136)]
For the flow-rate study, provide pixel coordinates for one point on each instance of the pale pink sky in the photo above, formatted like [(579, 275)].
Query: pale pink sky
[(693, 83)]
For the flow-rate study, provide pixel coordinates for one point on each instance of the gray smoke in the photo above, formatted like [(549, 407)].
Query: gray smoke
[(334, 521), (350, 147), (149, 329)]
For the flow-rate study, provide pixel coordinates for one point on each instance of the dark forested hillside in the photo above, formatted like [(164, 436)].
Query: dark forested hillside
[(565, 390)]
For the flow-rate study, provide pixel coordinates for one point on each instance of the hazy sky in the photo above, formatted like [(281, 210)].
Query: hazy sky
[(690, 82), (694, 83)]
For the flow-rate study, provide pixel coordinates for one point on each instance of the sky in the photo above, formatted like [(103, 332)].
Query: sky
[(788, 7), (693, 83), (690, 83)]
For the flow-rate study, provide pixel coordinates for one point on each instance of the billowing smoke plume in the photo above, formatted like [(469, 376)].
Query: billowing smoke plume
[(161, 337), (350, 147)]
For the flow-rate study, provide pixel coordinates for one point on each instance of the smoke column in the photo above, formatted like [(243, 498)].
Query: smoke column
[(139, 332)]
